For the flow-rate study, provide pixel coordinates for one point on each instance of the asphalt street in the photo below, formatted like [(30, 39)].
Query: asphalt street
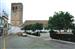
[(32, 42)]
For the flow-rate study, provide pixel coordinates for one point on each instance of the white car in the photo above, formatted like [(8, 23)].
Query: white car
[(24, 34)]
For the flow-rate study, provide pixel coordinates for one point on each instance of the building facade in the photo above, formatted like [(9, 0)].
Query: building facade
[(3, 24), (16, 14), (28, 22)]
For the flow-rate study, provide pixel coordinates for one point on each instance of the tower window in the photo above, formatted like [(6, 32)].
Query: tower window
[(13, 8)]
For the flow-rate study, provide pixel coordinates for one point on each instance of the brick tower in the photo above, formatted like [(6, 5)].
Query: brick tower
[(16, 14)]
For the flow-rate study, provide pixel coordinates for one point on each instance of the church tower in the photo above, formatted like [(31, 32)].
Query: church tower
[(16, 14)]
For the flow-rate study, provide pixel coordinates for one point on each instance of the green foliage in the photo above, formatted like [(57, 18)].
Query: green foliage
[(33, 27), (52, 32), (38, 26), (27, 27), (60, 20), (73, 31), (36, 34)]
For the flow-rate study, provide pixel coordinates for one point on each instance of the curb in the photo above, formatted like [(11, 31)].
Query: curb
[(67, 42), (32, 36)]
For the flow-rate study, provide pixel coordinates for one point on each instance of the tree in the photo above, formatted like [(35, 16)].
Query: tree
[(27, 27), (60, 20), (33, 27), (39, 26), (50, 23)]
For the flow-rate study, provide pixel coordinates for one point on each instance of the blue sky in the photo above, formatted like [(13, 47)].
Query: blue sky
[(39, 9)]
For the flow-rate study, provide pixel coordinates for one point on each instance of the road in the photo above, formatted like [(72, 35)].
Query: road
[(31, 42)]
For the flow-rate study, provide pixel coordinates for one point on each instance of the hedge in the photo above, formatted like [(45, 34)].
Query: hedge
[(65, 37)]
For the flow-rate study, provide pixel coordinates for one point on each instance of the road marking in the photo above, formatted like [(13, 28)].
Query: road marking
[(4, 46)]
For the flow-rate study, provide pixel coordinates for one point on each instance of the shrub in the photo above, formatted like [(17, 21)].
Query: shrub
[(65, 37), (28, 33), (52, 32), (73, 31), (36, 34)]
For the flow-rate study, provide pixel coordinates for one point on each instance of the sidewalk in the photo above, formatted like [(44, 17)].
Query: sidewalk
[(33, 36), (61, 41)]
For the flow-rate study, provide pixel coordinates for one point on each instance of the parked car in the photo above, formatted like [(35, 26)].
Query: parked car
[(19, 34), (24, 34)]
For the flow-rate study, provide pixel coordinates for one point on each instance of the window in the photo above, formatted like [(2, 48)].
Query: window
[(13, 8), (16, 7), (0, 20)]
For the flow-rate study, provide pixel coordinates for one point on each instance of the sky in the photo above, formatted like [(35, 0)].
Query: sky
[(39, 9)]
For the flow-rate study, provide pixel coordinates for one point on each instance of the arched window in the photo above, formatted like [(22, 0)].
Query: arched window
[(14, 8)]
